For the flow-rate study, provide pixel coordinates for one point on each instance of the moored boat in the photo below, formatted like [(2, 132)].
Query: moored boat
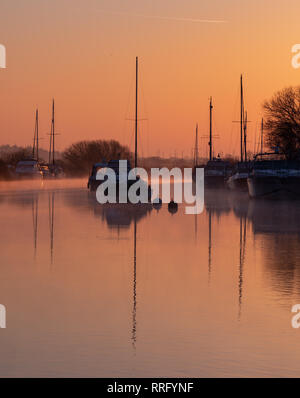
[(238, 180), (93, 183), (216, 172), (28, 169), (275, 178), (123, 177)]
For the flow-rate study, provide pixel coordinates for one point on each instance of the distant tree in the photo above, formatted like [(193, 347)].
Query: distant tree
[(79, 157), (12, 158), (4, 171), (282, 122), (15, 151)]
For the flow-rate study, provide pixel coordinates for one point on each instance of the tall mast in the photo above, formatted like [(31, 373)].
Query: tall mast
[(196, 146), (53, 132), (136, 109), (35, 148), (245, 136), (210, 128), (37, 133), (262, 136), (242, 117), (50, 144), (34, 139)]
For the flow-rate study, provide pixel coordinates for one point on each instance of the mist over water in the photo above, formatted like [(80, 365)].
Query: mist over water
[(128, 291)]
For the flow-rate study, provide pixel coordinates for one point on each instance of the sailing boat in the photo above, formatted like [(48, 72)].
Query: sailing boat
[(31, 168), (93, 182), (274, 176), (216, 170), (238, 180), (54, 170), (196, 156)]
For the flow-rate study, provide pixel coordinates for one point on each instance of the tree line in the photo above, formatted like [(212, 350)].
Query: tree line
[(282, 122), (76, 160), (282, 134)]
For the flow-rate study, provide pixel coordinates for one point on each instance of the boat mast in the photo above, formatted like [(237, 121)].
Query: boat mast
[(53, 133), (196, 146), (242, 117), (136, 109), (262, 137), (37, 134), (50, 145), (210, 128), (245, 136)]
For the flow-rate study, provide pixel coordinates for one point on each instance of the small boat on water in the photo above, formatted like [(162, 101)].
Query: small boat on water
[(52, 169), (216, 170), (28, 169), (275, 178), (93, 183), (238, 180)]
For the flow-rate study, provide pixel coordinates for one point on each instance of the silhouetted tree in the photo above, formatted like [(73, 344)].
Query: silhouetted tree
[(79, 157), (4, 171), (282, 122), (13, 158)]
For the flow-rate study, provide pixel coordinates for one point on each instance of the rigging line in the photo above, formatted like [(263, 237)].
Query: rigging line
[(125, 133), (257, 140), (254, 142), (234, 118), (145, 107), (237, 110)]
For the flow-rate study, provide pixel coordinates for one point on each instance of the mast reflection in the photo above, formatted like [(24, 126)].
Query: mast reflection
[(243, 232), (133, 336), (209, 245), (51, 201), (35, 215)]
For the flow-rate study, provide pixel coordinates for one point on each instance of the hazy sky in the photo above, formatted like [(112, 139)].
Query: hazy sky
[(82, 53)]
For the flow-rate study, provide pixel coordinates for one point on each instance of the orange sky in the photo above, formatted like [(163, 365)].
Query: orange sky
[(82, 53)]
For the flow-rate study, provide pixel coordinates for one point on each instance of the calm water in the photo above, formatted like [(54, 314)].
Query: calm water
[(126, 291)]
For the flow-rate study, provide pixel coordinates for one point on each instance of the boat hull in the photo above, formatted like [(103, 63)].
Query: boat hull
[(214, 181), (94, 184), (268, 186), (238, 183)]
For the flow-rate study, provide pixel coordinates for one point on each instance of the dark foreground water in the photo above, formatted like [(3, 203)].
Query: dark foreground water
[(127, 291)]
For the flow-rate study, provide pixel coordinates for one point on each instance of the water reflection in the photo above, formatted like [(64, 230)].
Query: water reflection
[(209, 243), (217, 202), (35, 210), (177, 295), (243, 233), (122, 216), (51, 202), (278, 225), (133, 337)]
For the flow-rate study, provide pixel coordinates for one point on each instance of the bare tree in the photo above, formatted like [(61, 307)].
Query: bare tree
[(79, 157), (282, 121), (12, 158)]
